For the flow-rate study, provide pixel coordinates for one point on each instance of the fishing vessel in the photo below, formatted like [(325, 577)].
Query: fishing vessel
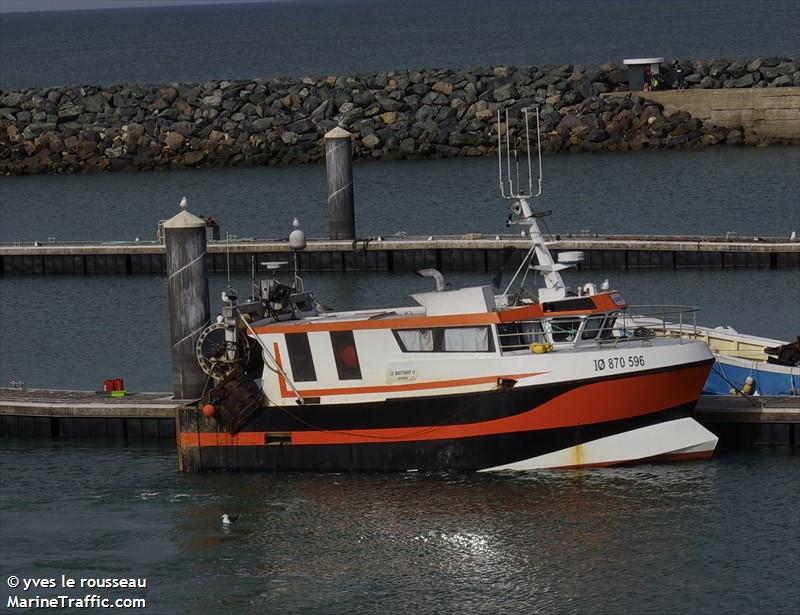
[(464, 379)]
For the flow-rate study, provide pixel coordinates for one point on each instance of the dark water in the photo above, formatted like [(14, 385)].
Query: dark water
[(357, 36), (747, 190), (706, 537)]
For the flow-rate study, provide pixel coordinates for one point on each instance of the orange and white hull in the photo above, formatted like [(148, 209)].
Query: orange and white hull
[(598, 421)]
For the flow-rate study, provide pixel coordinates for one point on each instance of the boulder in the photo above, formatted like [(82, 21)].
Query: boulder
[(371, 141), (263, 124), (408, 146), (596, 135), (193, 158), (363, 99), (68, 112), (462, 139), (96, 103), (709, 83), (289, 137), (388, 104), (174, 140), (781, 81), (734, 137), (745, 81), (12, 99), (443, 87)]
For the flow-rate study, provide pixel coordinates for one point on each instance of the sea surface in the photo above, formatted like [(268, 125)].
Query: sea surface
[(712, 537), (705, 537), (318, 37)]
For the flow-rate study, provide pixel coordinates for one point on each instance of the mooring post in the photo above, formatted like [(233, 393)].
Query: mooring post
[(187, 290), (339, 163)]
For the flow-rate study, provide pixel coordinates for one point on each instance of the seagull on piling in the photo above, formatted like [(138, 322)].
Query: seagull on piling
[(228, 520)]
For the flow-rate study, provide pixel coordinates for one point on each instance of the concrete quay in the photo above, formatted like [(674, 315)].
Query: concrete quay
[(55, 413), (468, 252)]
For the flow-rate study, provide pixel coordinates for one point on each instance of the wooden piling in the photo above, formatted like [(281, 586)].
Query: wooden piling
[(339, 165), (187, 290)]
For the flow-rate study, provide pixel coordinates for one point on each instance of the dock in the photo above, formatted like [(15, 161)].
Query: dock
[(57, 413), (741, 420), (54, 413), (469, 252)]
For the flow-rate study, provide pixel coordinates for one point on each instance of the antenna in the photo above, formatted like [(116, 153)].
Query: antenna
[(509, 188), (228, 237), (522, 213)]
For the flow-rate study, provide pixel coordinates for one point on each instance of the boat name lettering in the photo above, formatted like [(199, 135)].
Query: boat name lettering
[(401, 374), (634, 360)]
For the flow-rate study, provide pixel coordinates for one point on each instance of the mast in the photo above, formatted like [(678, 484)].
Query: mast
[(521, 210)]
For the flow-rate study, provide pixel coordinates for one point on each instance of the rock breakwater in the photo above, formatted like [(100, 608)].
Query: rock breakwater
[(401, 114)]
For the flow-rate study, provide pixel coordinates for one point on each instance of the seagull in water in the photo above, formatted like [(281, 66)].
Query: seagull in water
[(228, 520)]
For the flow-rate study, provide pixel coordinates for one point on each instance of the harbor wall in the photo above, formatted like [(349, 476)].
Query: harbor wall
[(433, 113), (471, 252), (771, 113)]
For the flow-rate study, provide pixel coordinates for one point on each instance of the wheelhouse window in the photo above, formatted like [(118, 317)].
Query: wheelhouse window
[(445, 339), (345, 355), (300, 359), (608, 327), (593, 326), (564, 329), (520, 335)]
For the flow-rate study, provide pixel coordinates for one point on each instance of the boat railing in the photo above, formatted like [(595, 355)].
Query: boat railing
[(642, 321), (636, 323), (574, 330)]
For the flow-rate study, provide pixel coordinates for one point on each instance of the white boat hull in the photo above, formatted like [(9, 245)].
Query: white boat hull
[(678, 439)]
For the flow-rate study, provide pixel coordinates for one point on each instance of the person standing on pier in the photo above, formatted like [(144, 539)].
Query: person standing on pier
[(680, 84)]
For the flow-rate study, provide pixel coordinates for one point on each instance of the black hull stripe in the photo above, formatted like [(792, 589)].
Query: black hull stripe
[(473, 453)]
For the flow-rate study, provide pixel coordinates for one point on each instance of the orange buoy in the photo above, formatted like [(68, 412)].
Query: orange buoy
[(209, 410)]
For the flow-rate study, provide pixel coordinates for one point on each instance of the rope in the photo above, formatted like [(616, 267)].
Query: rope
[(187, 265), (734, 387), (280, 371)]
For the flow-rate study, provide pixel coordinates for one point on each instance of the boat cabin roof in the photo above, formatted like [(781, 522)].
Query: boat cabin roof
[(451, 308)]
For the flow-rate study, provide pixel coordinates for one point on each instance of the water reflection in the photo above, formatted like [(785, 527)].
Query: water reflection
[(704, 536)]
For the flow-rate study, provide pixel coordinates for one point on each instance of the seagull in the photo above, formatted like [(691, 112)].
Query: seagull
[(228, 519), (497, 237), (793, 236), (184, 203), (322, 308), (430, 237), (522, 233), (296, 223), (605, 285)]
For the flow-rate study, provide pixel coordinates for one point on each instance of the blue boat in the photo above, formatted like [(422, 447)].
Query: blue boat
[(745, 364), (750, 365)]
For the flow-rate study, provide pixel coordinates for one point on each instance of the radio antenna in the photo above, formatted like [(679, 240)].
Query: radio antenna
[(509, 188)]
